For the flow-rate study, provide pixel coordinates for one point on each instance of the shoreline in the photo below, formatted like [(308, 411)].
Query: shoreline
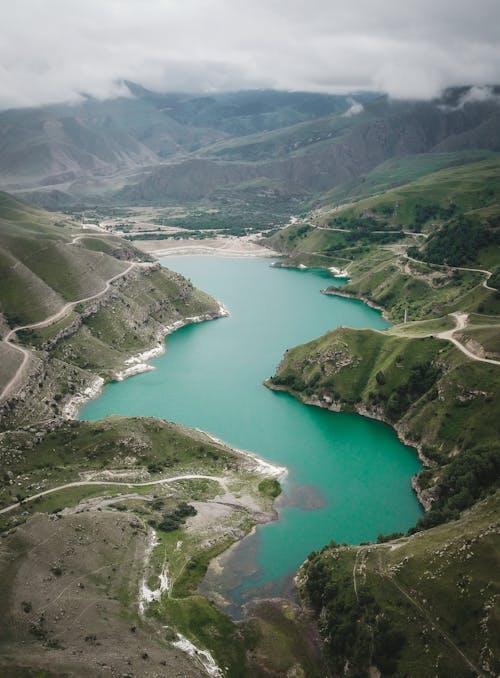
[(232, 247), (337, 292), (264, 467), (424, 499), (138, 362)]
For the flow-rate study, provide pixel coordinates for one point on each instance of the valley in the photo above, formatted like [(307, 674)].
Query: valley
[(131, 545)]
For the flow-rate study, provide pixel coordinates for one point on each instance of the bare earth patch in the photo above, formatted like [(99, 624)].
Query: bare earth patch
[(71, 601), (230, 246)]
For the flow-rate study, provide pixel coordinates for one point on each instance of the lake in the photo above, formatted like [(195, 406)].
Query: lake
[(348, 476)]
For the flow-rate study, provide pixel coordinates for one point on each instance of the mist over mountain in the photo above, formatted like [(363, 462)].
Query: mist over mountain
[(150, 147)]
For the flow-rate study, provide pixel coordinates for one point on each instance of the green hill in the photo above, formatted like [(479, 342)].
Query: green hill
[(397, 172), (418, 606), (472, 187), (44, 265), (437, 399), (425, 604), (39, 268)]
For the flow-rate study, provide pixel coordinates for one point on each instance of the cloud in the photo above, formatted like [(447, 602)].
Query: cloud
[(55, 51), (475, 94), (354, 108)]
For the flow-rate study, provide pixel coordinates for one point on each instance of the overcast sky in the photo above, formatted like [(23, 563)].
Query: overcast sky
[(52, 50)]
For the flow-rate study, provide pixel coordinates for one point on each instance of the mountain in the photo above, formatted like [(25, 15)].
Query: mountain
[(314, 157), (54, 145), (162, 148)]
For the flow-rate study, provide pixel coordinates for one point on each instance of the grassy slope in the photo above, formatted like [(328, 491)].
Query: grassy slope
[(58, 455), (142, 449), (39, 269), (381, 274), (396, 172), (436, 398), (99, 336), (291, 140), (447, 571), (471, 186), (425, 291)]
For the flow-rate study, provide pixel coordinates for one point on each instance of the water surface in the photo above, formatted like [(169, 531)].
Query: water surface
[(349, 477)]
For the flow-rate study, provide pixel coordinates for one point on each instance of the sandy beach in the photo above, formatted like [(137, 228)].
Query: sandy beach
[(231, 246)]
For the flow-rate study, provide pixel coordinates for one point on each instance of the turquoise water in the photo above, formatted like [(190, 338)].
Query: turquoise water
[(349, 477)]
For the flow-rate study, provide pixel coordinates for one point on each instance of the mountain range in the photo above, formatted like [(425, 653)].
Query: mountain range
[(161, 148)]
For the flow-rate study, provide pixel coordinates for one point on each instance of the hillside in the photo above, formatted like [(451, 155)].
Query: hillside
[(396, 606), (41, 268), (313, 157), (76, 304), (435, 397), (58, 145), (143, 148), (417, 606), (131, 511), (418, 237)]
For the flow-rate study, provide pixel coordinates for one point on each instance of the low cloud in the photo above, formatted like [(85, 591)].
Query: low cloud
[(354, 108), (475, 94), (58, 50)]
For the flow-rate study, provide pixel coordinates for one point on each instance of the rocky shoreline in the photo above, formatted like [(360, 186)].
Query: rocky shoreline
[(136, 363), (424, 496), (338, 292)]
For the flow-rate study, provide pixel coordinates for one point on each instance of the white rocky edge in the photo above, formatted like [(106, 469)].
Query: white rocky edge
[(136, 364), (147, 595), (338, 273), (71, 408), (139, 363), (261, 465), (203, 656)]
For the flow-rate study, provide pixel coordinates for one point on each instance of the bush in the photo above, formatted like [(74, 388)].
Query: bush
[(175, 519)]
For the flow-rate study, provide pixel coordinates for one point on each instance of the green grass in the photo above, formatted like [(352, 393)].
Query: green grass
[(39, 270), (117, 442), (444, 402), (399, 171), (294, 139), (424, 291), (200, 621), (422, 328), (106, 245), (449, 570), (270, 488), (487, 337), (471, 186)]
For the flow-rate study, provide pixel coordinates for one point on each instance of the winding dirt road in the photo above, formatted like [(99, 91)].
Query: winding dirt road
[(49, 321), (461, 324), (83, 483)]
